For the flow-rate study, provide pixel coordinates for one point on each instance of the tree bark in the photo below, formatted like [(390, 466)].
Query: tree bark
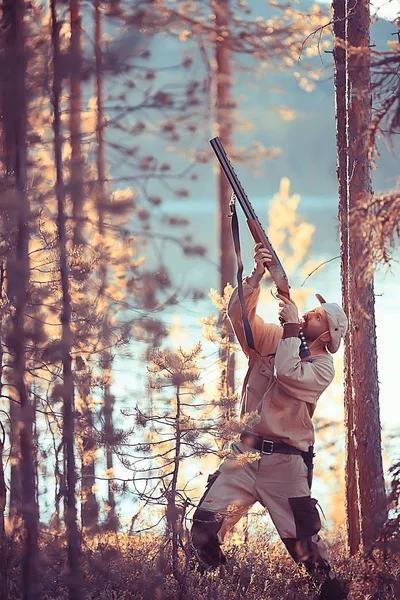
[(339, 54), (3, 501), (76, 173), (364, 372), (89, 504), (101, 171), (8, 157), (15, 474), (106, 359), (75, 576), (172, 512), (30, 515), (224, 106)]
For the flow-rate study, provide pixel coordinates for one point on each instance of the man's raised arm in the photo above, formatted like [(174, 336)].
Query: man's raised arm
[(266, 335)]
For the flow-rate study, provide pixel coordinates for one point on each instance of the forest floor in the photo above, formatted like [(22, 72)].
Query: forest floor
[(139, 567)]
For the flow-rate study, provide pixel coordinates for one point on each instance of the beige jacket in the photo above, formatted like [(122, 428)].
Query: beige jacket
[(283, 389)]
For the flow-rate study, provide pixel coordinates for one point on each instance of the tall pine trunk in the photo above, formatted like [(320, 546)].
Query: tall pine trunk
[(3, 501), (339, 54), (8, 156), (106, 359), (75, 578), (100, 123), (19, 274), (364, 372), (76, 171), (3, 489), (224, 107), (89, 502)]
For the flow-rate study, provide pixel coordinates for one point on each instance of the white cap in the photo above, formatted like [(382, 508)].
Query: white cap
[(337, 322)]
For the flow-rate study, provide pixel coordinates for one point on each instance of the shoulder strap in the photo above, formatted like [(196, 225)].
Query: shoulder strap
[(239, 275)]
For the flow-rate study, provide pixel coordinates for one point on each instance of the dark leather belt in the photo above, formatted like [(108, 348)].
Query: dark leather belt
[(268, 446)]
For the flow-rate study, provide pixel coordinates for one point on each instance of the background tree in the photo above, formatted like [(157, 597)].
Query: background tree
[(340, 75), (224, 122), (362, 406), (14, 17), (67, 388), (372, 497)]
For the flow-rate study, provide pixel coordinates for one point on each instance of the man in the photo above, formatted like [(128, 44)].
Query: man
[(272, 463)]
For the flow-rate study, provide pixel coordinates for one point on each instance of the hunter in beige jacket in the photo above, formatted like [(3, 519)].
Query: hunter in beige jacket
[(282, 388)]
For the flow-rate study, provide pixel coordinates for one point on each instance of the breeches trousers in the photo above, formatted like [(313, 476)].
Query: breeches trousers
[(279, 482)]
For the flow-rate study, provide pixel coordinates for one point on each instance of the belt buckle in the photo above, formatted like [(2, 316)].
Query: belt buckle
[(271, 449)]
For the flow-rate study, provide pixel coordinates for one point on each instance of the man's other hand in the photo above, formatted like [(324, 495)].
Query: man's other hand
[(288, 311), (261, 256)]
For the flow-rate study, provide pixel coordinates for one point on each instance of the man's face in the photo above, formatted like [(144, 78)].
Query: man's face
[(314, 323)]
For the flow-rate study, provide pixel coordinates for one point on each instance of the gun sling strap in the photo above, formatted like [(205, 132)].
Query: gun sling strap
[(239, 276)]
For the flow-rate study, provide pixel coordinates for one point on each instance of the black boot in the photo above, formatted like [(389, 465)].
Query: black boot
[(332, 589)]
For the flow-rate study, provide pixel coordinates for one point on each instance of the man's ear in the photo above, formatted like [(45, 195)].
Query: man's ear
[(326, 337)]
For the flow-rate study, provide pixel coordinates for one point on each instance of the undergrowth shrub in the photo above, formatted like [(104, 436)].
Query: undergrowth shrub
[(138, 567)]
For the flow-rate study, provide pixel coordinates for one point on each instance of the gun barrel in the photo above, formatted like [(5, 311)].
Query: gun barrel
[(277, 271), (232, 177)]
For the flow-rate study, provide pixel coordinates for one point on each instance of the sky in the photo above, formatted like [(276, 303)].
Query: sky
[(386, 9)]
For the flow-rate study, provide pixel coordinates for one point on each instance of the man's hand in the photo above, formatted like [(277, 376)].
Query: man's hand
[(288, 311), (261, 256)]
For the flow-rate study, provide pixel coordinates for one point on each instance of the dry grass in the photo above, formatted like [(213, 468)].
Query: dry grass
[(125, 567)]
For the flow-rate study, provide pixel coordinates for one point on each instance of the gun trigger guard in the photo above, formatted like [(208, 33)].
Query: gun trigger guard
[(274, 294)]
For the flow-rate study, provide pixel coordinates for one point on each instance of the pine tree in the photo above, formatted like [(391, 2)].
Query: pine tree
[(67, 391), (18, 281), (75, 100), (365, 489), (364, 373), (339, 53), (106, 358), (224, 124)]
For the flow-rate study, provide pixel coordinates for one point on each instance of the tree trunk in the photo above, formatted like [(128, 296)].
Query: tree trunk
[(8, 156), (15, 474), (3, 490), (112, 521), (172, 513), (364, 373), (89, 504), (76, 173), (106, 359), (13, 13), (3, 500), (35, 447), (100, 115), (224, 106), (75, 577), (339, 53)]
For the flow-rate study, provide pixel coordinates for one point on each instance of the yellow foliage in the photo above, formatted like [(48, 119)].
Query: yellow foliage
[(184, 35), (287, 114), (109, 473), (221, 302), (89, 457), (289, 233)]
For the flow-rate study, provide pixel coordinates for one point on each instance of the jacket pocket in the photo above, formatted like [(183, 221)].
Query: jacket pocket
[(306, 516), (266, 368)]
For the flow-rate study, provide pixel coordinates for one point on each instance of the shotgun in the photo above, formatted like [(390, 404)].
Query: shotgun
[(274, 267)]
